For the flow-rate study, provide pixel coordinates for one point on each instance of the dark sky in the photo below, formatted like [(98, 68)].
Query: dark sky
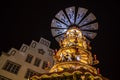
[(24, 21)]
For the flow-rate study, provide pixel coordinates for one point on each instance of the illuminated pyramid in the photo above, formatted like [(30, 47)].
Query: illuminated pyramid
[(74, 60)]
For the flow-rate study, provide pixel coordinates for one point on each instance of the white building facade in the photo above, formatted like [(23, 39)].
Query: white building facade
[(27, 61)]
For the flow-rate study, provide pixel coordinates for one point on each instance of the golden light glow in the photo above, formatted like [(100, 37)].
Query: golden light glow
[(73, 49), (74, 55)]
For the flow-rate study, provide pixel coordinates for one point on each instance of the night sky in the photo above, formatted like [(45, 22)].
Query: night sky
[(24, 21)]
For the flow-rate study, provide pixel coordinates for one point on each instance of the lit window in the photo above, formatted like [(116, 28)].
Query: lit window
[(29, 58), (30, 73), (11, 67), (41, 51), (37, 62), (4, 78)]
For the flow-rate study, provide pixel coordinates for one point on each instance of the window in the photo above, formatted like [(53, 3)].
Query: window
[(12, 52), (33, 44), (45, 42), (37, 62), (30, 73), (29, 58), (41, 51), (11, 67), (50, 52), (45, 65), (24, 48), (4, 78)]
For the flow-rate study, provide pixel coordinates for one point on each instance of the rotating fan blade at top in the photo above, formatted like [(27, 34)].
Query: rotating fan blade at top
[(71, 14), (57, 24), (87, 19), (80, 14), (89, 35), (93, 26), (62, 17), (67, 18), (59, 38), (57, 32)]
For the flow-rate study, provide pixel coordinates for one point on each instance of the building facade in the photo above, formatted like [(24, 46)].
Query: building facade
[(27, 61)]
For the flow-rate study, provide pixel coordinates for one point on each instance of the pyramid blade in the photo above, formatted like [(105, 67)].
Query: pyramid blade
[(93, 26), (62, 17), (87, 19), (57, 24), (80, 14), (71, 14), (56, 32), (59, 38), (90, 35)]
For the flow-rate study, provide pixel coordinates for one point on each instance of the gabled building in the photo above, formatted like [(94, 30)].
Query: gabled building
[(27, 61)]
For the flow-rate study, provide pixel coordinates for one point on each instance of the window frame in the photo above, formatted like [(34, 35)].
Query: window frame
[(30, 73), (45, 65), (11, 67), (37, 62), (34, 44), (29, 58)]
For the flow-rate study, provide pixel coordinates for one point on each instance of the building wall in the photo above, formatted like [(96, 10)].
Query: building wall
[(19, 57)]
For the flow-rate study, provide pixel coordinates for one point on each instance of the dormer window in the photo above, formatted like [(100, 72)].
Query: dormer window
[(12, 52), (45, 42), (24, 48), (33, 44)]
